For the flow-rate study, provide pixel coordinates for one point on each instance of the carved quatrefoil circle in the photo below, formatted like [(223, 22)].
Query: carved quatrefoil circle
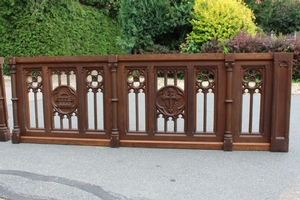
[(170, 100), (64, 99)]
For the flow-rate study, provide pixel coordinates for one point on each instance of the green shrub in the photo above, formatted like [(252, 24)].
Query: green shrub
[(148, 22), (277, 15), (219, 20), (155, 49), (141, 22)]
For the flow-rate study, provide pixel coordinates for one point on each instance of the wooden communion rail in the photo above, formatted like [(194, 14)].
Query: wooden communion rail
[(205, 101)]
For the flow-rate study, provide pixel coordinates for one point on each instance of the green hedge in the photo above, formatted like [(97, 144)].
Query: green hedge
[(64, 28)]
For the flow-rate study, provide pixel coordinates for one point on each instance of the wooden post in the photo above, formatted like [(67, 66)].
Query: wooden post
[(4, 130), (282, 80), (229, 63), (16, 130), (113, 65)]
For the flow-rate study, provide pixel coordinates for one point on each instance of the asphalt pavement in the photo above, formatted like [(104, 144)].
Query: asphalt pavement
[(67, 172)]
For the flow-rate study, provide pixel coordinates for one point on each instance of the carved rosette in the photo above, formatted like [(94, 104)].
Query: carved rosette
[(94, 80), (64, 100), (34, 81), (283, 64), (170, 101), (205, 81), (136, 80), (252, 80)]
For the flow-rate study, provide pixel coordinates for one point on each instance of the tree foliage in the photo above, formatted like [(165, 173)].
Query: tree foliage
[(220, 20), (277, 15), (285, 17), (55, 28), (148, 22), (107, 7)]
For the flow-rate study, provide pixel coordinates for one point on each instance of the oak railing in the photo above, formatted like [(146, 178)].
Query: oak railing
[(206, 101)]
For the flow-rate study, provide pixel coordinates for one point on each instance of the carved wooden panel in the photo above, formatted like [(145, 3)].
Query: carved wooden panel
[(136, 98), (64, 99), (171, 100), (34, 99), (94, 80), (252, 82), (205, 83)]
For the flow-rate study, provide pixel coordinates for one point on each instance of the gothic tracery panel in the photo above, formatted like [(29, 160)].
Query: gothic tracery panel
[(136, 91), (252, 82), (64, 99), (205, 99), (95, 97), (170, 100), (34, 84)]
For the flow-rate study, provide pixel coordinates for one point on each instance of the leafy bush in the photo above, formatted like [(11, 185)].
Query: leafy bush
[(56, 28), (141, 21), (277, 15), (245, 43), (219, 20), (285, 17), (155, 49), (148, 22)]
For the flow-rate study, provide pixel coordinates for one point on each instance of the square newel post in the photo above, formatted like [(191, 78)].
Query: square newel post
[(282, 80), (16, 130), (229, 63), (4, 130), (113, 65)]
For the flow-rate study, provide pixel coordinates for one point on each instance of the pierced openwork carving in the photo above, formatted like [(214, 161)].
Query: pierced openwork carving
[(34, 81), (64, 100), (136, 80), (205, 80), (252, 81), (170, 77), (64, 77), (170, 101), (94, 80)]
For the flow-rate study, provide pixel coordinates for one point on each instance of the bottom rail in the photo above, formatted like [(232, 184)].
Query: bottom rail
[(145, 143), (67, 141)]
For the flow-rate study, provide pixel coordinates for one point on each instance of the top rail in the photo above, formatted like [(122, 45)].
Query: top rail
[(139, 57)]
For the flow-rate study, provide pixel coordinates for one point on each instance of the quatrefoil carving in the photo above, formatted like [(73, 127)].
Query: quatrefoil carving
[(136, 80), (34, 80), (94, 79)]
